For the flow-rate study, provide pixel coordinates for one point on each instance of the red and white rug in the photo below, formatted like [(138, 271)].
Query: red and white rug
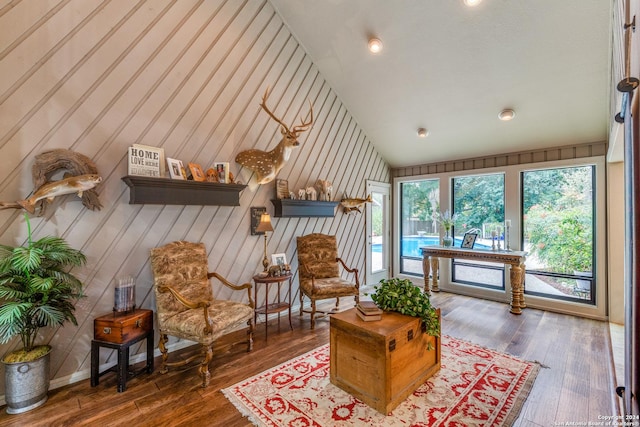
[(475, 387)]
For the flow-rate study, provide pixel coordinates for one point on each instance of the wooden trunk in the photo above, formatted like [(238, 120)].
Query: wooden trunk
[(122, 327), (382, 362)]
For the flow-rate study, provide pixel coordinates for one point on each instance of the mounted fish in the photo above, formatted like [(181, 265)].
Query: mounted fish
[(50, 190), (353, 205), (267, 164)]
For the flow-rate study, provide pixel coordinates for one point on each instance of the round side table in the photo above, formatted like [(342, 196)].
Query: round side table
[(275, 307)]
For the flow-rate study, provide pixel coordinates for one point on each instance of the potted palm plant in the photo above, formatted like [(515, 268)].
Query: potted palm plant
[(36, 291)]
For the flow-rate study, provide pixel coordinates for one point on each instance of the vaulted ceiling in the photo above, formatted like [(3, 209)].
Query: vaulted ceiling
[(451, 69)]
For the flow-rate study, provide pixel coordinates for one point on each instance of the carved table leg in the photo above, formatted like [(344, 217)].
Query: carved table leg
[(425, 270), (435, 271), (524, 271), (517, 297)]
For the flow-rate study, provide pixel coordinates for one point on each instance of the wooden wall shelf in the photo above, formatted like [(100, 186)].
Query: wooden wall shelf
[(165, 191), (303, 208)]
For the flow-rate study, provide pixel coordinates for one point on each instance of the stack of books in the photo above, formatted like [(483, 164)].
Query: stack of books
[(368, 311)]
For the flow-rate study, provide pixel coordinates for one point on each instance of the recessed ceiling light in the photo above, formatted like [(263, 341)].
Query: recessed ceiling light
[(423, 133), (375, 45), (506, 115), (472, 3)]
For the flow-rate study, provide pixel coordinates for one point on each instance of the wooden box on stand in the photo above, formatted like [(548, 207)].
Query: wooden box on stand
[(123, 327)]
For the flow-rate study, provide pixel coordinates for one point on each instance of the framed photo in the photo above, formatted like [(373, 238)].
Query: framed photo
[(282, 189), (469, 240), (176, 168), (222, 170), (196, 172), (278, 259)]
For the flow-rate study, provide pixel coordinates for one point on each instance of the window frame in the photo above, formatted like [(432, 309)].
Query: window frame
[(513, 211)]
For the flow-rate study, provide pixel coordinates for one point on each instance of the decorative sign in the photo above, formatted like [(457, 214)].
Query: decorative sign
[(256, 213), (146, 161)]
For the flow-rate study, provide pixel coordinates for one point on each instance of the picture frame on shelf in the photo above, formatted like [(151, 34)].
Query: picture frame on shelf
[(468, 240), (279, 259), (222, 170), (196, 172), (176, 168), (282, 189)]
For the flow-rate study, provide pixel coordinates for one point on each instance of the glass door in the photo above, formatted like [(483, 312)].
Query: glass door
[(377, 219)]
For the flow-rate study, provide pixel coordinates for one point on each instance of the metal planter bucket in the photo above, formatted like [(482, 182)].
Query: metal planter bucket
[(26, 384)]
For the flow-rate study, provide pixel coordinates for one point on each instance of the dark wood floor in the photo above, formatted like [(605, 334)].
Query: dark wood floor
[(577, 384)]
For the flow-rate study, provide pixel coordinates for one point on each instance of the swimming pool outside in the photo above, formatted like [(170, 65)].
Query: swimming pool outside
[(411, 245)]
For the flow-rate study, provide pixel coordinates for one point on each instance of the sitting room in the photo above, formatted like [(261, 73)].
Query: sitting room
[(297, 212)]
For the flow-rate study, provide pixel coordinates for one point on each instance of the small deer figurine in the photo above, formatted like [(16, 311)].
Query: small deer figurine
[(267, 164)]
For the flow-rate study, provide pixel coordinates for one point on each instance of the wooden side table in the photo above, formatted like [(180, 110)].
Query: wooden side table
[(275, 307), (120, 331)]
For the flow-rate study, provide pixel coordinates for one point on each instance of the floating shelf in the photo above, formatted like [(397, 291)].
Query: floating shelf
[(165, 191), (306, 208)]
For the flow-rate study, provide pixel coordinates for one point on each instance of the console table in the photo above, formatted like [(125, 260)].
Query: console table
[(515, 259)]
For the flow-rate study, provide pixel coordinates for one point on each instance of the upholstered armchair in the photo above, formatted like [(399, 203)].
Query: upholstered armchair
[(319, 273), (185, 305)]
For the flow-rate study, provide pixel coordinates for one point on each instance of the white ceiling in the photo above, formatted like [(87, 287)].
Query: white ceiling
[(451, 69)]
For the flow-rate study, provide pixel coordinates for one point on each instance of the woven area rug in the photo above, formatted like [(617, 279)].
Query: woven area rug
[(475, 387)]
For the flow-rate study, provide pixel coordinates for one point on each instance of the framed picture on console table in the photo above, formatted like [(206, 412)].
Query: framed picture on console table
[(278, 259), (469, 240)]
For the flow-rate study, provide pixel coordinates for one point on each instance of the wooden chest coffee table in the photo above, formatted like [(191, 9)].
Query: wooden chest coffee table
[(381, 362)]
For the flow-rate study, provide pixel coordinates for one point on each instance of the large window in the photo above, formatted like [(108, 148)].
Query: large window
[(558, 224), (418, 227), (478, 203), (556, 214)]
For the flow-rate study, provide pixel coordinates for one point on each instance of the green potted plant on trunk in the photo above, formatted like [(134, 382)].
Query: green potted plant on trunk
[(36, 291), (402, 296)]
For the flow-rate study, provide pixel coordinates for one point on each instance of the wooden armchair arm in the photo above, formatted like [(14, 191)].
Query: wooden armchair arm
[(350, 270), (227, 283), (190, 304)]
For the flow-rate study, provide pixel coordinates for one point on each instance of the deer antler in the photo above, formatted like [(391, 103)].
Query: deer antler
[(305, 125), (265, 108)]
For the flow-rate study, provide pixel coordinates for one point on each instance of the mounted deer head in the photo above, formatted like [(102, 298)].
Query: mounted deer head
[(267, 164)]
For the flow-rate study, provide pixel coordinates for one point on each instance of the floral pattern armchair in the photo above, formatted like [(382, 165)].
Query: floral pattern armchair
[(185, 305), (319, 272)]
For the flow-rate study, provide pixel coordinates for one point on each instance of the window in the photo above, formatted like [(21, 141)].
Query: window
[(478, 203), (418, 227), (558, 223), (556, 212)]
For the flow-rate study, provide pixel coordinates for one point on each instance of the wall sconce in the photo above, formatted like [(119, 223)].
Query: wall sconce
[(263, 227), (375, 45)]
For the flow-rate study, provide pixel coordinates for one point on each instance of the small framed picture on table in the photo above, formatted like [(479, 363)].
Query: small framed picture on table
[(278, 259), (469, 240)]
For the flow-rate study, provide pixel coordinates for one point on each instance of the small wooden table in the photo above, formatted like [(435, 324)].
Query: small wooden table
[(384, 361), (119, 331), (275, 307), (431, 263)]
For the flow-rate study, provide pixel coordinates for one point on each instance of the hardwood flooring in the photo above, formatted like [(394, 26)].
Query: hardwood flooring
[(576, 385)]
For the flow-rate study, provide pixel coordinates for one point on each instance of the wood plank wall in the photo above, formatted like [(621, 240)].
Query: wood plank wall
[(96, 76)]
